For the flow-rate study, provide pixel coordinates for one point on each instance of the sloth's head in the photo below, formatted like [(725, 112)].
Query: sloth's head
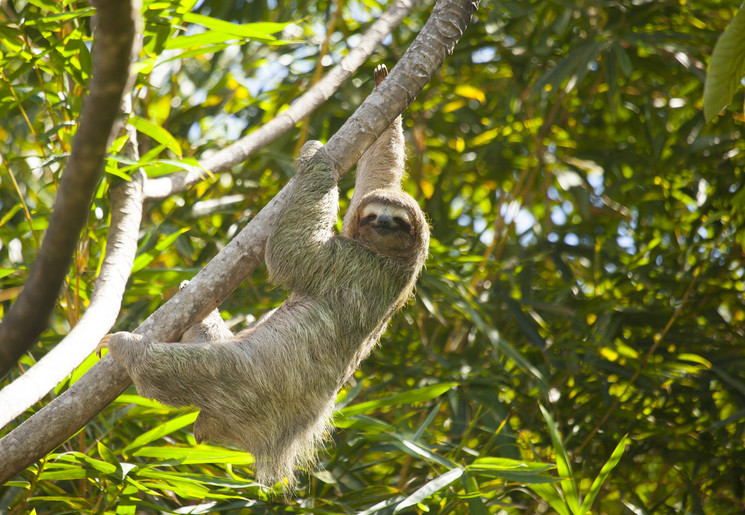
[(390, 222)]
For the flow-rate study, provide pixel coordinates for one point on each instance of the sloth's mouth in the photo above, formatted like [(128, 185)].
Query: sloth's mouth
[(384, 228)]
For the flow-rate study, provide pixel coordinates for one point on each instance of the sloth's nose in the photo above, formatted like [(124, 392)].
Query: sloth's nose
[(384, 221)]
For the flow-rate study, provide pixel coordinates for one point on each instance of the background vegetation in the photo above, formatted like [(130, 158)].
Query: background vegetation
[(585, 282)]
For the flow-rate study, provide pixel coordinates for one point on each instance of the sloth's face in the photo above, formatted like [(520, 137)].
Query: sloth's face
[(385, 218), (386, 228)]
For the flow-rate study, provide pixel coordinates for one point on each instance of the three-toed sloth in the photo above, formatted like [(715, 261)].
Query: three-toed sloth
[(270, 389)]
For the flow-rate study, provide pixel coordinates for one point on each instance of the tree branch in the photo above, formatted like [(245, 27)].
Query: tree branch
[(66, 414), (29, 314), (242, 149)]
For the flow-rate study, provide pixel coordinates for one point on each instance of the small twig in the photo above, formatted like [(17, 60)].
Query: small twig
[(325, 46)]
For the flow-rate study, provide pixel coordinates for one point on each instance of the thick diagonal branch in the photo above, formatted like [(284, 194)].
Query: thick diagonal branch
[(28, 316), (66, 414)]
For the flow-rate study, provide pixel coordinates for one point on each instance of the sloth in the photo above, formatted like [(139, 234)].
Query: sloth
[(270, 389)]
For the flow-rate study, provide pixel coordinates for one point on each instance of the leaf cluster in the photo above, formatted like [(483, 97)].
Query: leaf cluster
[(576, 340)]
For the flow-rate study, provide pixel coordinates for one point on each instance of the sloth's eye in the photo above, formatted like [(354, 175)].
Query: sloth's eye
[(401, 222), (369, 218)]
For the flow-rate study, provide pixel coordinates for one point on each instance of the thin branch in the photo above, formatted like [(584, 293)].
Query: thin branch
[(67, 413), (245, 147), (324, 51), (29, 314)]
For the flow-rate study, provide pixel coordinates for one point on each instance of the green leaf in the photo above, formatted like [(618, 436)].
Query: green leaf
[(258, 31), (141, 401), (525, 472), (196, 486), (597, 484), (11, 212), (200, 41), (527, 324), (361, 422), (108, 456), (201, 50), (410, 397), (551, 495), (62, 17), (563, 465), (417, 450), (49, 5), (429, 488), (196, 454), (66, 474), (476, 504), (76, 465), (726, 67), (501, 344), (143, 260), (624, 62), (159, 134), (159, 167), (162, 430), (571, 69)]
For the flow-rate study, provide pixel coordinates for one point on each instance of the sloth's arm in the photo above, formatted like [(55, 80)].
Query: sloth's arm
[(302, 249)]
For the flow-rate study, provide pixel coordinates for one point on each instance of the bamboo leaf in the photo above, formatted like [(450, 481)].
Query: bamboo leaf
[(429, 488), (410, 397), (156, 132), (726, 67), (563, 465), (597, 484), (551, 495), (162, 430)]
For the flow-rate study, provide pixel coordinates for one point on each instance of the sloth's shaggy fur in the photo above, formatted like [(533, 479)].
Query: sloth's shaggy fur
[(270, 389)]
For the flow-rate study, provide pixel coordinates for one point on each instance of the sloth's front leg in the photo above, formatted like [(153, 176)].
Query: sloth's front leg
[(124, 342), (103, 344)]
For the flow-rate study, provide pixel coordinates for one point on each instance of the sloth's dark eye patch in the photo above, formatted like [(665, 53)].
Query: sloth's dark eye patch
[(403, 224)]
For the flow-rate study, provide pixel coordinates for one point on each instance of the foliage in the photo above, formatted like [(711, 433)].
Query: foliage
[(587, 256), (726, 67)]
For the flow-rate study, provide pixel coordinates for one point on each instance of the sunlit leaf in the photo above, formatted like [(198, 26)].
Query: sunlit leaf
[(159, 134), (726, 67), (597, 484), (163, 430), (429, 488), (563, 465), (410, 397), (195, 455)]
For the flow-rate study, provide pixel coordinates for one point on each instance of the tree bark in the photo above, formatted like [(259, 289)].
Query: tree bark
[(29, 315), (69, 412)]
